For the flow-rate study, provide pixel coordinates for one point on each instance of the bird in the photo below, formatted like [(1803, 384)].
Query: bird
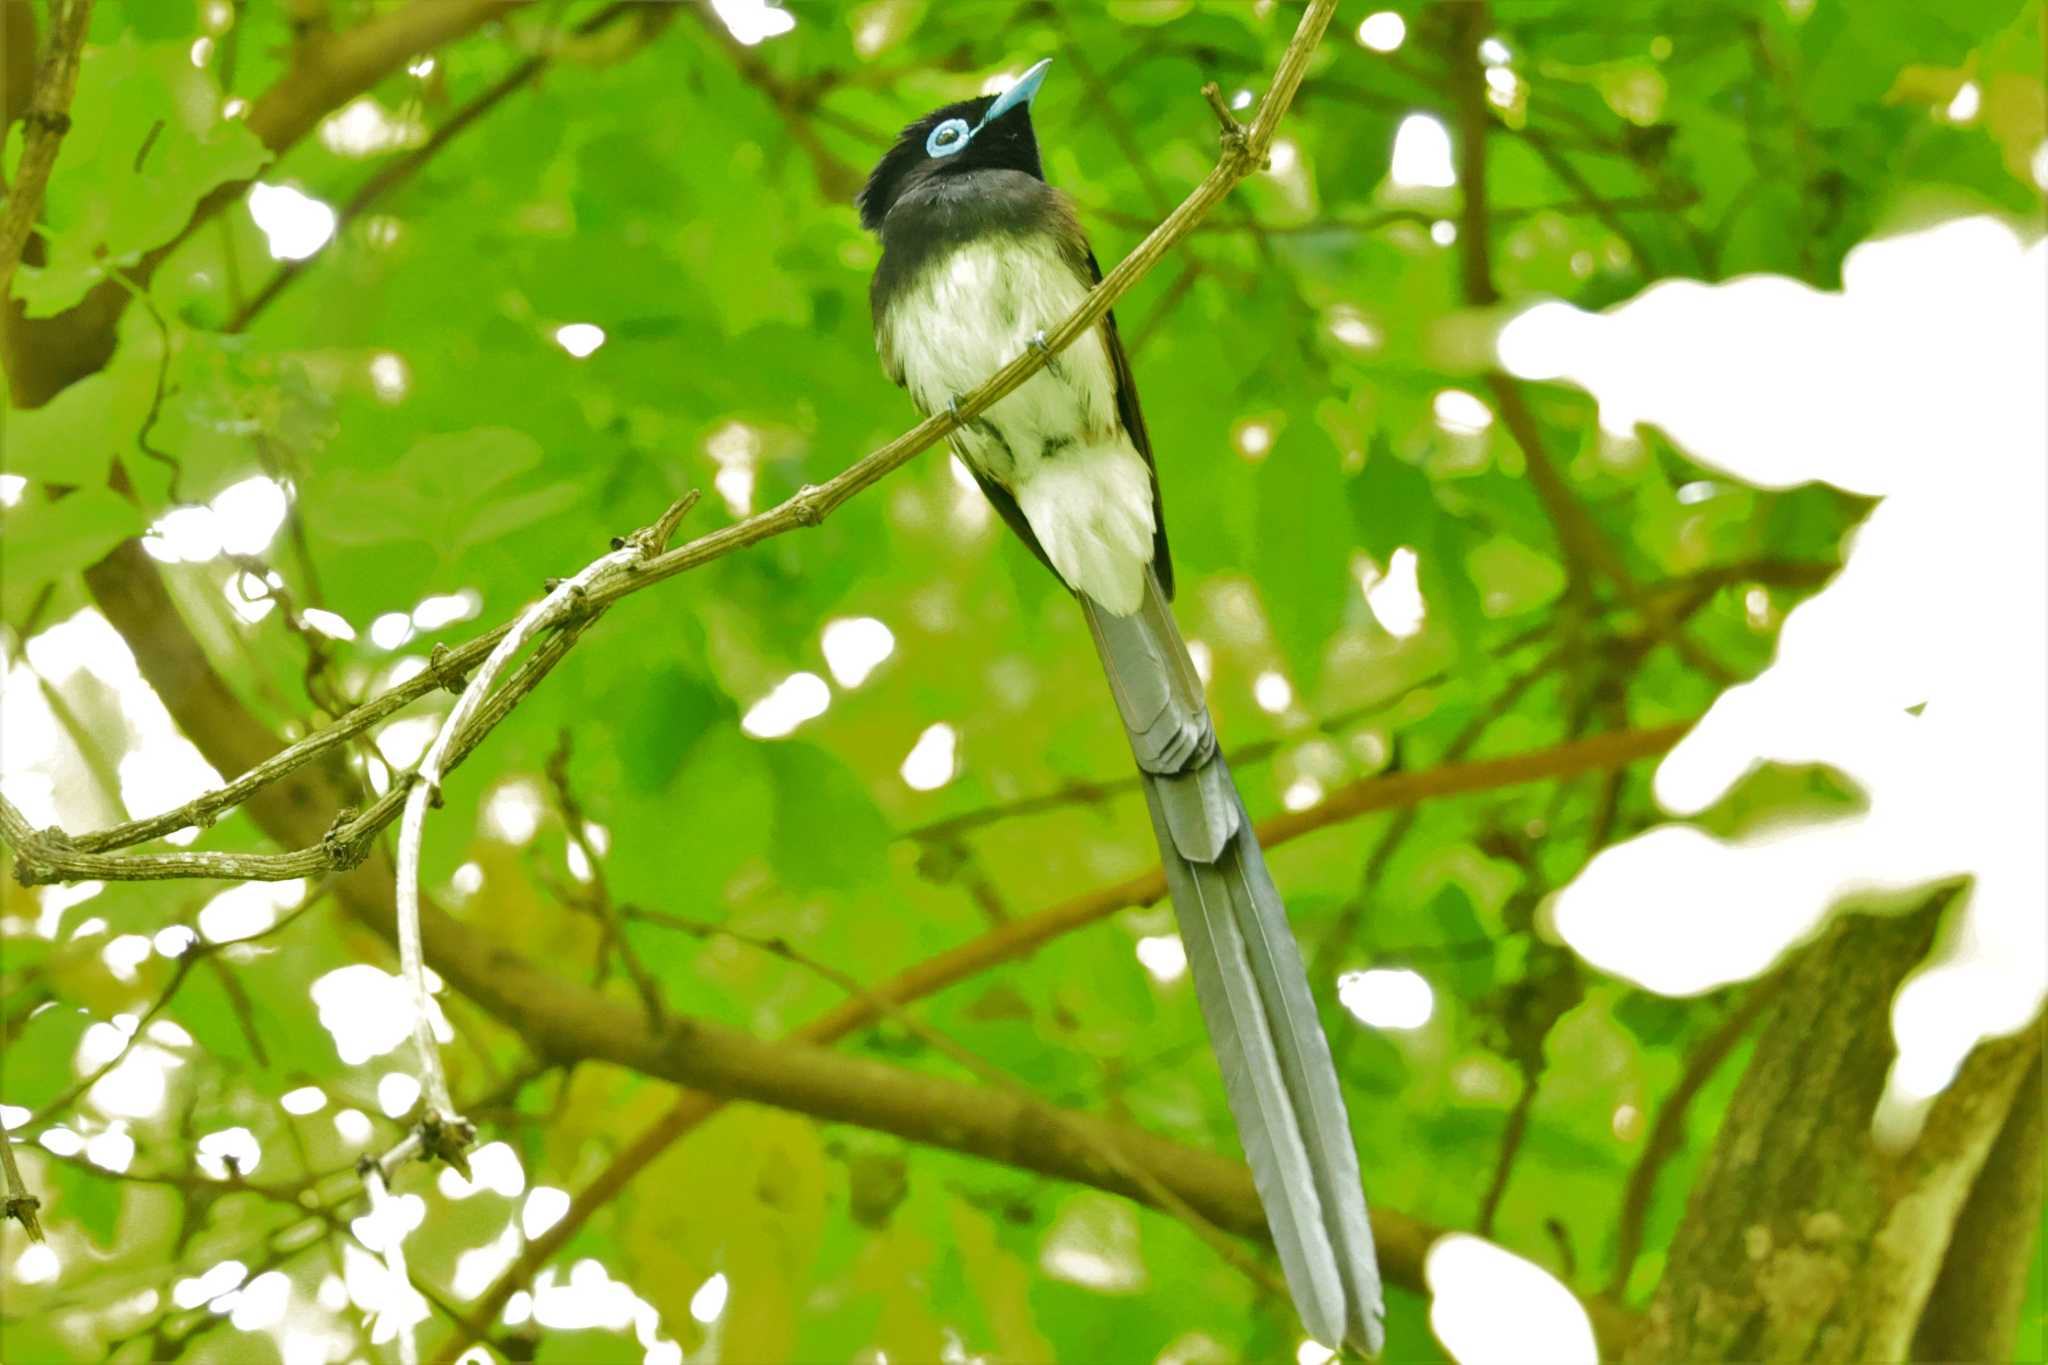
[(980, 256)]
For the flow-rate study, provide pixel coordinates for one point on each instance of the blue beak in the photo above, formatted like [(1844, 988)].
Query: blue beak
[(1020, 93)]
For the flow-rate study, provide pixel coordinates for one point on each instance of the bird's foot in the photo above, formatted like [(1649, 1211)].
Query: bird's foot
[(1037, 341), (953, 411)]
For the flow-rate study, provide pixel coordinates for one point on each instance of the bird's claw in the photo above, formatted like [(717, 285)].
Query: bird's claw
[(1037, 341), (953, 410)]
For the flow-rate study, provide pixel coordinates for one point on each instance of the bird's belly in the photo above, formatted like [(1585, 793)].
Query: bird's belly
[(975, 310), (1056, 443)]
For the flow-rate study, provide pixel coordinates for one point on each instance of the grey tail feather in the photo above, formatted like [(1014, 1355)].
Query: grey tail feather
[(1249, 979)]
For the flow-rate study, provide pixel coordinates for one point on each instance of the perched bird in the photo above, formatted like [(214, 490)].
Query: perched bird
[(979, 257)]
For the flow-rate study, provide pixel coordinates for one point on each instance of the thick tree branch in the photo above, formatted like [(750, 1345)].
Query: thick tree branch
[(48, 117), (1974, 1310), (1667, 1134)]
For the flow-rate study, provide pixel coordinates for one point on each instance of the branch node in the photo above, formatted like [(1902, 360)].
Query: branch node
[(804, 506), (53, 121), (451, 679), (1237, 145), (344, 852), (446, 1137), (22, 1209)]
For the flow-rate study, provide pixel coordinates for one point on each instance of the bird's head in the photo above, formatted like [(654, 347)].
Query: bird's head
[(989, 133)]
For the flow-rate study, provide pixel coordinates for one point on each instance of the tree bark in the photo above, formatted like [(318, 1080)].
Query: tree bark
[(1974, 1311), (1804, 1240)]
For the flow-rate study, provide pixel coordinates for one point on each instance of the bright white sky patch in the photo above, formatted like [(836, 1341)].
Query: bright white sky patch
[(1422, 154), (1487, 1306), (353, 1126), (1461, 412), (752, 21), (1387, 997), (12, 486), (369, 1011), (932, 761), (855, 646), (1093, 1242), (230, 1146), (261, 1304), (246, 515), (1164, 956), (111, 1148), (250, 908), (446, 609), (512, 814), (38, 1264), (1920, 382), (388, 376), (709, 1300), (397, 1093), (579, 338), (545, 1207), (1396, 595), (222, 1278), (794, 700), (1382, 32), (1301, 793), (391, 630), (307, 1099), (1254, 440), (333, 626), (296, 225), (1964, 106), (364, 128), (1272, 692), (184, 535)]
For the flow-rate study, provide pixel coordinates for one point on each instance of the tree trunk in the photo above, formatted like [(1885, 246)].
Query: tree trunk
[(1806, 1241)]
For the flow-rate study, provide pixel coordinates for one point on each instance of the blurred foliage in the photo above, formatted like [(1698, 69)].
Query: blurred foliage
[(690, 198)]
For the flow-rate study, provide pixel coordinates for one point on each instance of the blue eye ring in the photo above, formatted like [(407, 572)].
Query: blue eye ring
[(948, 138)]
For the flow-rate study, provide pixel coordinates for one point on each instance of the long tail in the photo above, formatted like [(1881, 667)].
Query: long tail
[(1249, 978)]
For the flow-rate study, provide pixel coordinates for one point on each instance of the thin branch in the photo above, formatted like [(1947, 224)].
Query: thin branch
[(48, 118), (21, 1204), (1667, 1134), (565, 598), (1504, 1159), (599, 901)]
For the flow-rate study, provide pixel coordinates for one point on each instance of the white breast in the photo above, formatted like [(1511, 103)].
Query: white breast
[(1056, 443)]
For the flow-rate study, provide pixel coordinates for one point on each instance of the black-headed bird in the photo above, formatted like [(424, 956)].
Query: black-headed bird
[(979, 258)]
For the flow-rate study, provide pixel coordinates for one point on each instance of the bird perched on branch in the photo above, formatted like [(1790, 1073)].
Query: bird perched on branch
[(980, 257)]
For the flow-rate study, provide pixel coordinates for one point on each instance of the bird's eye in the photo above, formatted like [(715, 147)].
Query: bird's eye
[(948, 138)]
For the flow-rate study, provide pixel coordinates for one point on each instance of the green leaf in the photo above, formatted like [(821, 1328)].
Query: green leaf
[(147, 142), (40, 1059), (827, 830), (51, 540), (1304, 560)]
